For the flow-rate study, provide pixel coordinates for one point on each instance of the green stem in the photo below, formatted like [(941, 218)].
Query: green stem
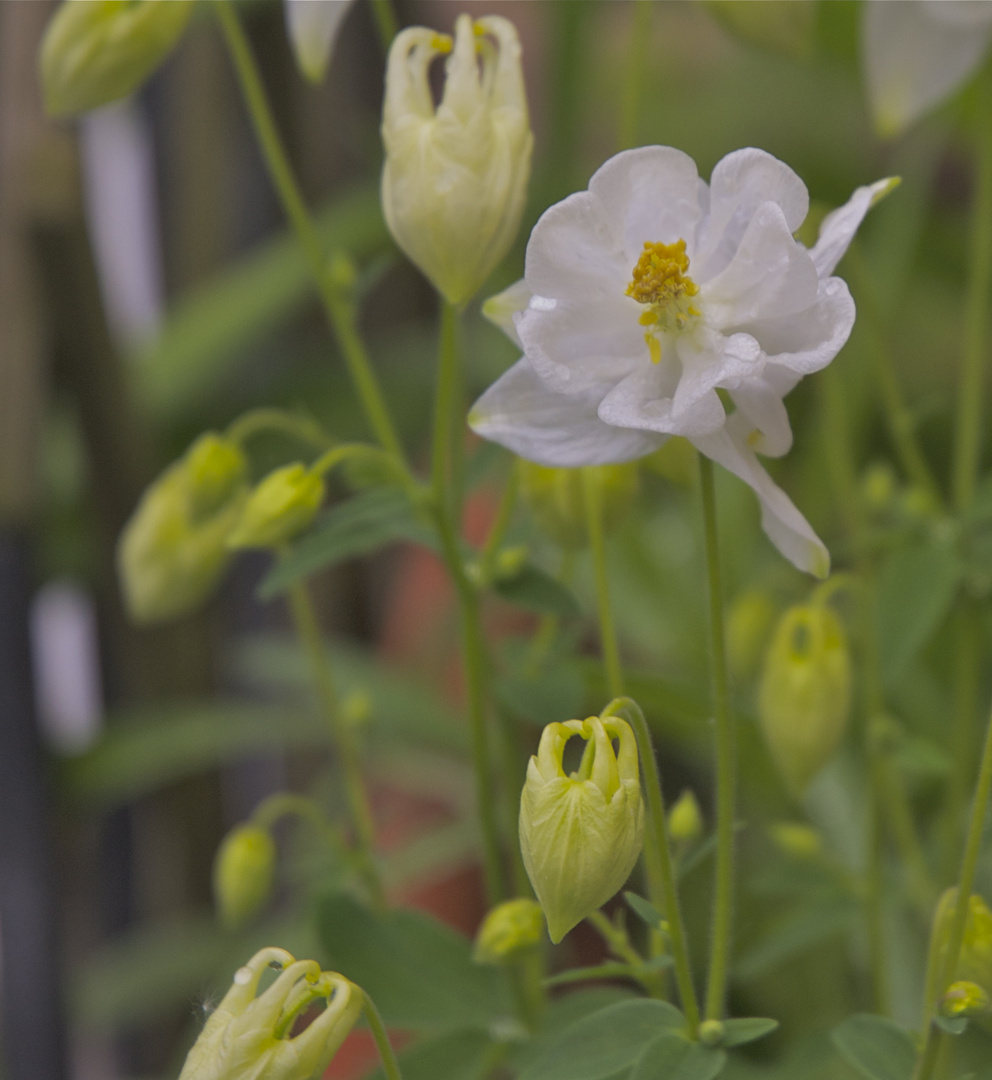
[(968, 430), (500, 526), (874, 894), (637, 54), (390, 1066), (268, 812), (900, 816), (385, 22), (661, 877), (305, 620), (931, 1051), (255, 421), (726, 753), (336, 307), (444, 410), (597, 545)]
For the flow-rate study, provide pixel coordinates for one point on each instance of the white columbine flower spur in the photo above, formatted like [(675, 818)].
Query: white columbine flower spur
[(653, 299)]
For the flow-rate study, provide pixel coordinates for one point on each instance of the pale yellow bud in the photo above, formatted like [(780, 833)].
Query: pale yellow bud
[(748, 624), (975, 960), (455, 178), (965, 999), (98, 51), (511, 928), (249, 1038), (279, 508), (805, 695), (244, 870), (685, 821), (799, 841), (581, 834)]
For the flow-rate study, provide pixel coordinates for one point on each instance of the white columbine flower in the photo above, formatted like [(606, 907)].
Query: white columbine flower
[(652, 303), (916, 53), (312, 26)]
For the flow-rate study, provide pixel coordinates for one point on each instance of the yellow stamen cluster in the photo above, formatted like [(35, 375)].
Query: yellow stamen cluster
[(659, 281)]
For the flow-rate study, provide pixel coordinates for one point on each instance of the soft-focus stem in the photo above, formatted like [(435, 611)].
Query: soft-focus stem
[(283, 803), (500, 525), (968, 429), (390, 1066), (385, 22), (633, 81), (726, 753), (308, 630), (336, 307), (662, 882), (597, 545), (256, 421)]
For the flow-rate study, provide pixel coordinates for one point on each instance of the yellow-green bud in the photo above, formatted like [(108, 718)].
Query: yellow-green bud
[(685, 821), (966, 999), (250, 1037), (279, 508), (748, 623), (455, 178), (174, 548), (244, 869), (97, 51), (799, 841), (580, 834), (556, 498), (711, 1032), (878, 486), (511, 928), (805, 694), (975, 960)]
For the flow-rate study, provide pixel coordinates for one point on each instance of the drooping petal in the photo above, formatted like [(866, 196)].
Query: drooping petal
[(564, 430), (913, 61), (839, 226), (761, 411), (740, 183), (501, 308), (787, 529), (312, 26), (644, 401), (709, 360)]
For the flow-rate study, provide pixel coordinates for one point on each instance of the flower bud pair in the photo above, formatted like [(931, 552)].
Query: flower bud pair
[(581, 833), (248, 1036), (455, 178)]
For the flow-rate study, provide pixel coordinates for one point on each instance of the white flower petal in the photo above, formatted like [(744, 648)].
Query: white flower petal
[(912, 61), (839, 226), (521, 413), (761, 417), (650, 194), (710, 359), (501, 308), (787, 529), (645, 401), (312, 26), (740, 183), (974, 13), (770, 275)]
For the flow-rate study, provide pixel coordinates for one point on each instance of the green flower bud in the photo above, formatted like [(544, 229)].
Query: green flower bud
[(966, 999), (511, 928), (244, 869), (455, 178), (97, 51), (748, 623), (685, 822), (805, 694), (580, 834), (279, 508), (174, 549), (879, 486), (557, 500), (799, 841), (711, 1032), (248, 1037), (975, 961)]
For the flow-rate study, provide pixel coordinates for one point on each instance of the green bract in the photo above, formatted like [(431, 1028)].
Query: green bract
[(174, 547), (97, 51), (279, 508), (580, 834), (243, 871), (247, 1037)]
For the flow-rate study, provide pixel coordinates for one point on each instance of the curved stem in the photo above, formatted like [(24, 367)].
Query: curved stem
[(305, 620), (658, 858), (726, 753), (335, 306), (390, 1066), (597, 544), (283, 803), (255, 421)]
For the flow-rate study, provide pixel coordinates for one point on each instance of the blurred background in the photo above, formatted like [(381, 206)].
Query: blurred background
[(150, 290)]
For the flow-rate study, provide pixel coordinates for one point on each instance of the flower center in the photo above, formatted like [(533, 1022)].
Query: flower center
[(659, 281)]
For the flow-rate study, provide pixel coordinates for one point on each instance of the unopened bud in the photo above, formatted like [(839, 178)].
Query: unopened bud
[(511, 928), (279, 508), (97, 52), (685, 821), (711, 1032), (878, 486), (244, 870), (805, 694), (975, 959), (799, 841), (581, 834), (748, 624), (965, 999)]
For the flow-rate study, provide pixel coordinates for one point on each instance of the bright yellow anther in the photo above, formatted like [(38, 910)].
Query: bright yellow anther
[(654, 347), (659, 276), (442, 42)]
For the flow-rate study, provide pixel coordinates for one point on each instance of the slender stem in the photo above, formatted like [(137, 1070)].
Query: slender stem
[(385, 22), (597, 544), (268, 812), (931, 1051), (658, 858), (726, 752), (637, 54), (444, 409), (900, 817), (305, 619), (968, 430), (336, 307), (874, 894), (299, 427), (504, 516), (390, 1065)]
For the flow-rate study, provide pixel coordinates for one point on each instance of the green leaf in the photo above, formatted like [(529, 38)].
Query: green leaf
[(808, 927), (674, 1057), (363, 524), (876, 1047), (462, 1055), (916, 586), (606, 1042), (532, 588), (746, 1029), (418, 972), (644, 910)]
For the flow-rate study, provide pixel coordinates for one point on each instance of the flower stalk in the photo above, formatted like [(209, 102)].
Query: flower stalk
[(597, 544)]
